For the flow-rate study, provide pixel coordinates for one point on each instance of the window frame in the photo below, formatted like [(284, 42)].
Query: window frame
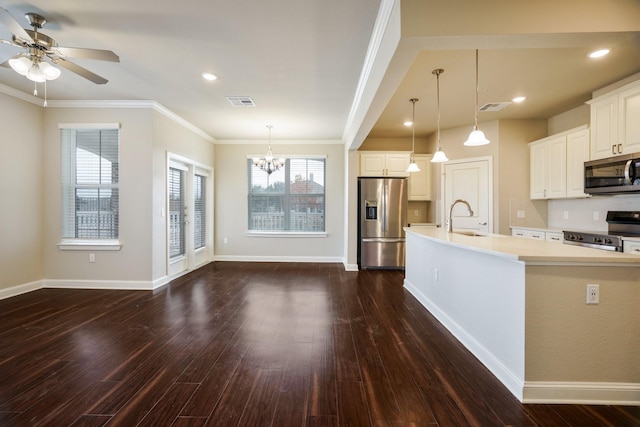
[(284, 233), (81, 244)]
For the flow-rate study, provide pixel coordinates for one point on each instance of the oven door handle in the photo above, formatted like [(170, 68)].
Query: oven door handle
[(628, 178)]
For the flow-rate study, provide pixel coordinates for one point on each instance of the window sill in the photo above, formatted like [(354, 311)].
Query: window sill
[(89, 245), (286, 233)]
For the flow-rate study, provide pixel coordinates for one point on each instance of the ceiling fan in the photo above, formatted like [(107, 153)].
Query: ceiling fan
[(41, 50)]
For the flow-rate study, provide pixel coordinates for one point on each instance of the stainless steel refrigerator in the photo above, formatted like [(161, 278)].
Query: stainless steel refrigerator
[(382, 213)]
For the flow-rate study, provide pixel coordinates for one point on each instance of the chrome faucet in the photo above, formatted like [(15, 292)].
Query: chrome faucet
[(450, 222)]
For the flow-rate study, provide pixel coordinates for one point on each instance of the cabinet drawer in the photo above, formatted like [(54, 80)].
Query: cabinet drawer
[(631, 247), (554, 237), (528, 234)]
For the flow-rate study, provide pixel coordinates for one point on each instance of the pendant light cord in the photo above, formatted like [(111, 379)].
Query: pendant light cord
[(413, 128), (476, 112)]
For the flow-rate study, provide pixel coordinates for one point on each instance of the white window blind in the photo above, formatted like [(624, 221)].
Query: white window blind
[(90, 184), (199, 211), (291, 199), (176, 212)]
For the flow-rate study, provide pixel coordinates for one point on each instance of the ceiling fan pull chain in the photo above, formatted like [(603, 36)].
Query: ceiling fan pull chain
[(35, 88), (45, 94)]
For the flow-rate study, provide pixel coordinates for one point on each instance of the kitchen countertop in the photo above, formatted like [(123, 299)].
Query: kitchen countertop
[(526, 250)]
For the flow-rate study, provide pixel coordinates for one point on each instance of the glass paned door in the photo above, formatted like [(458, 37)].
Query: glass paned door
[(177, 213)]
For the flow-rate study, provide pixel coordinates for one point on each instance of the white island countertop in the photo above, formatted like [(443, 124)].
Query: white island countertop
[(526, 250)]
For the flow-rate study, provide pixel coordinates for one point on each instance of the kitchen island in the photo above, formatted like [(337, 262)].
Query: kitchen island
[(520, 306)]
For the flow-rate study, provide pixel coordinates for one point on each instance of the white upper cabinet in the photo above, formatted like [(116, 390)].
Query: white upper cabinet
[(420, 182), (557, 165), (380, 163), (615, 128)]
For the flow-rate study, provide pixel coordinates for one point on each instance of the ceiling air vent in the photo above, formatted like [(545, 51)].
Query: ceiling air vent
[(241, 101), (494, 106)]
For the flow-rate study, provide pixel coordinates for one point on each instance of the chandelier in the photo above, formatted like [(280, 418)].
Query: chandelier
[(268, 163)]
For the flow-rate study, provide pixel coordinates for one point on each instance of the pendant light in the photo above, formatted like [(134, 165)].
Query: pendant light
[(413, 167), (476, 137), (439, 155)]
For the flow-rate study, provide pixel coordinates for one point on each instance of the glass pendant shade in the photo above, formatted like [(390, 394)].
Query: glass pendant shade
[(413, 167), (20, 65), (439, 157), (476, 138)]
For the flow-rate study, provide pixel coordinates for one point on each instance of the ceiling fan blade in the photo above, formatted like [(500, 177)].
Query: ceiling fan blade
[(12, 25), (83, 72), (78, 52)]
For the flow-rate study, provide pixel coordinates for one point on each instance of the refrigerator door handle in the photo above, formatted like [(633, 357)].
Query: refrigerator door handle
[(384, 239)]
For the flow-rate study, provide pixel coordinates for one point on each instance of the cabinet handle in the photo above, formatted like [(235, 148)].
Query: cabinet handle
[(519, 234), (619, 148), (555, 238), (613, 149), (636, 250)]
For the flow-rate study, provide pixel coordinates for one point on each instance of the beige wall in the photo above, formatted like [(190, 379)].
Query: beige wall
[(145, 137), (21, 192), (231, 206), (568, 340)]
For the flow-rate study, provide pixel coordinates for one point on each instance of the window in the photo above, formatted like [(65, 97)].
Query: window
[(199, 211), (291, 199), (90, 184)]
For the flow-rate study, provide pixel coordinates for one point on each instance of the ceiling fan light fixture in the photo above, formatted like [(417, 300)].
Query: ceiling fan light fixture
[(599, 53), (50, 72), (20, 65)]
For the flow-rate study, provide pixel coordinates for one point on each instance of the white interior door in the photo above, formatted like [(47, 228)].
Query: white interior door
[(190, 219), (470, 180)]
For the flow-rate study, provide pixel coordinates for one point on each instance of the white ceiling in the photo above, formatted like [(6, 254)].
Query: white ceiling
[(301, 60)]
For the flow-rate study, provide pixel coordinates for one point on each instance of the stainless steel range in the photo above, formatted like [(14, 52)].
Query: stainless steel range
[(621, 224)]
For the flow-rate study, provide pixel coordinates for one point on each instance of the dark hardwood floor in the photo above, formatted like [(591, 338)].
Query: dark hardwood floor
[(253, 344)]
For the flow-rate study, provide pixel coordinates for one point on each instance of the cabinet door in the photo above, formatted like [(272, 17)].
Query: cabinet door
[(420, 182), (538, 172), (557, 168), (577, 154), (604, 127), (629, 105), (397, 164), (372, 164)]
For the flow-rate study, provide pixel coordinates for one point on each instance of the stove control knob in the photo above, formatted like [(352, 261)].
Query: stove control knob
[(608, 241), (597, 240)]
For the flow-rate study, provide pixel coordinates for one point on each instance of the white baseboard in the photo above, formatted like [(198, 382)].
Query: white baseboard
[(349, 267), (123, 285), (261, 258), (510, 380), (582, 393), (21, 289)]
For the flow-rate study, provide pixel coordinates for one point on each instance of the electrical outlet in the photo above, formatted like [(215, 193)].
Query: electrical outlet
[(225, 240), (416, 212), (436, 275), (520, 214), (92, 257), (565, 214), (596, 215), (593, 294)]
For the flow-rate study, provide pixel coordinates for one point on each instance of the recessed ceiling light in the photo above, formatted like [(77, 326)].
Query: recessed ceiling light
[(599, 53), (209, 76), (408, 123), (519, 99)]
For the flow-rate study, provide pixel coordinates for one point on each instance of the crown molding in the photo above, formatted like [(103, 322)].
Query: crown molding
[(85, 103)]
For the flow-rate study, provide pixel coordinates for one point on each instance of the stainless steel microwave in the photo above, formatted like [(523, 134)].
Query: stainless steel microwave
[(613, 175)]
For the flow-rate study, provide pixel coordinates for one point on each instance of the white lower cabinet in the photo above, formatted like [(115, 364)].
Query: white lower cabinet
[(528, 233), (631, 246)]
